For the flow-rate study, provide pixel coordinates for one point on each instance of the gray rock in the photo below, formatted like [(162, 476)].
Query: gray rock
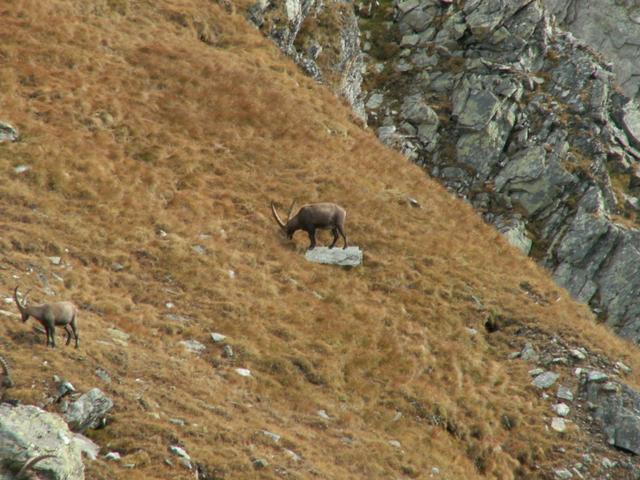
[(558, 424), (611, 27), (564, 393), (104, 376), (479, 109), (260, 463), (561, 409), (88, 411), (218, 337), (596, 376), (27, 432), (375, 100), (114, 456), (182, 455), (617, 411), (273, 436), (193, 346), (351, 256), (227, 351), (528, 353), (562, 474), (87, 446), (545, 380), (8, 133), (516, 235)]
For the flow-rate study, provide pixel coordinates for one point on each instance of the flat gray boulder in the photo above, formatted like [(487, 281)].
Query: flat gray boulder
[(27, 432), (351, 256)]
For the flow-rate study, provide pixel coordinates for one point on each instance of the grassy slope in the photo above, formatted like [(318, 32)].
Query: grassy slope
[(132, 124)]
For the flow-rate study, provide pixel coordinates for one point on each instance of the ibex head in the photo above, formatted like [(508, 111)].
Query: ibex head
[(312, 217), (288, 228), (22, 306)]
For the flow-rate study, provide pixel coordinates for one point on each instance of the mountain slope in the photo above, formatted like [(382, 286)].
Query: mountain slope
[(151, 128)]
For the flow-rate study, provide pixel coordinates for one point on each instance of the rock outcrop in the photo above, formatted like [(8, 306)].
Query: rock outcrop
[(525, 122), (610, 26), (27, 432), (323, 39), (88, 411)]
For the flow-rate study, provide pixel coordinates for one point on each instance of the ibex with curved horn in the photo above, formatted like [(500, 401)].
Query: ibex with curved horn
[(51, 315), (7, 382), (314, 216)]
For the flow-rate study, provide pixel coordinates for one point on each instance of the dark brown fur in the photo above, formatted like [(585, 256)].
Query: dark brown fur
[(314, 216)]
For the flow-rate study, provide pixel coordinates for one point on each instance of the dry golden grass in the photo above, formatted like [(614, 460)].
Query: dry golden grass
[(176, 116)]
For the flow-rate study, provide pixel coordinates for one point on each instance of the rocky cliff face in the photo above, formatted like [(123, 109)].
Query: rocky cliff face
[(525, 122), (610, 26), (323, 39)]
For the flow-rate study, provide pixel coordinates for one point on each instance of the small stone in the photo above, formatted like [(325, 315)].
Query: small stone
[(55, 260), (610, 387), (179, 451), (586, 458), (21, 169), (563, 474), (529, 353), (535, 372), (273, 436), (293, 455), (375, 101), (623, 367), (65, 388), (227, 351), (217, 337), (564, 393), (231, 274), (578, 353), (177, 421), (324, 414), (395, 443), (596, 376), (471, 331), (435, 471), (413, 202), (103, 375), (260, 463), (243, 372), (558, 424), (117, 267), (545, 380), (169, 305), (193, 346), (561, 409), (410, 40), (606, 463), (112, 456), (199, 249)]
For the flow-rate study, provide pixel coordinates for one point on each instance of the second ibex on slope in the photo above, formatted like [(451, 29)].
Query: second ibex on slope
[(314, 216), (51, 315)]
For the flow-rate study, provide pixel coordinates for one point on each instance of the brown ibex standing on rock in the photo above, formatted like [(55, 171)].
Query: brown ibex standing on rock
[(313, 216), (49, 315)]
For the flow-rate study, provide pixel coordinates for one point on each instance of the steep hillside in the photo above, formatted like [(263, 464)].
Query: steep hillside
[(155, 135)]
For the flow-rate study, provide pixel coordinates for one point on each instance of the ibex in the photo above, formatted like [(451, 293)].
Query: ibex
[(30, 464), (313, 216), (49, 315), (7, 382)]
